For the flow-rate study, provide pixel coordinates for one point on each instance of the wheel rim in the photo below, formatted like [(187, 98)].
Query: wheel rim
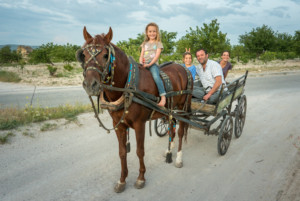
[(161, 128), (240, 116), (225, 135)]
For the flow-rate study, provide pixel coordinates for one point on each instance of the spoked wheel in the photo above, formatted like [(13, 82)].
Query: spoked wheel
[(225, 135), (161, 126), (240, 116)]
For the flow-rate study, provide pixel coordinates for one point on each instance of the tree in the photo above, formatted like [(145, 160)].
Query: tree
[(208, 37), (284, 42), (167, 38), (259, 40), (8, 56), (132, 46), (237, 51), (296, 46), (5, 54), (40, 55)]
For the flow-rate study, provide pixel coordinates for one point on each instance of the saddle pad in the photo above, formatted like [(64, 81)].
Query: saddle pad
[(167, 81)]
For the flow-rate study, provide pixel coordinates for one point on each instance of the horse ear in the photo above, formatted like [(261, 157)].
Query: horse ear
[(86, 35), (108, 36)]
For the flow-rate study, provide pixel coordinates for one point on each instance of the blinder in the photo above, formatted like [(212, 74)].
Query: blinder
[(104, 71), (80, 57)]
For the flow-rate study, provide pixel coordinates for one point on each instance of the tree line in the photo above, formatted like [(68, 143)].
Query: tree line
[(46, 53), (260, 43)]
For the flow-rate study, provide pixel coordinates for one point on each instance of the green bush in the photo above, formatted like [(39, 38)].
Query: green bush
[(244, 59), (281, 55), (68, 67), (173, 57), (291, 55), (268, 56), (52, 70)]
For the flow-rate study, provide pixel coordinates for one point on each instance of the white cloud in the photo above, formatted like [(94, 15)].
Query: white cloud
[(139, 16)]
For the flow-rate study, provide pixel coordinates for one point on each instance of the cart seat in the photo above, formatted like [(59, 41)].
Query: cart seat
[(201, 107)]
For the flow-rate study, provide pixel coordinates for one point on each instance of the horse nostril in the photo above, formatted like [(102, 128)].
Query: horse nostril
[(94, 84)]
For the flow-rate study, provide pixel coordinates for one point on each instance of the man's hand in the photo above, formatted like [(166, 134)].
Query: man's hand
[(214, 88), (206, 97)]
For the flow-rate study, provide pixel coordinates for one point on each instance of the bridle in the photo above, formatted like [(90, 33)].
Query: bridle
[(106, 72)]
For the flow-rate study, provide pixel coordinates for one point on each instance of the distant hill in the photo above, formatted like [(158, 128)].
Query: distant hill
[(14, 46)]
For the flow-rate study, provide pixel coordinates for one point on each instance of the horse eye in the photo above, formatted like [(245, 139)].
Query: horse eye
[(106, 56)]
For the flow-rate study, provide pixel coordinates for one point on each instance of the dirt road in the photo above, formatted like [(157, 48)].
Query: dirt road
[(81, 162)]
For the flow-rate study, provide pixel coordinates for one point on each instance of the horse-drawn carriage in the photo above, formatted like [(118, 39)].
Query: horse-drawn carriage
[(128, 92), (203, 115)]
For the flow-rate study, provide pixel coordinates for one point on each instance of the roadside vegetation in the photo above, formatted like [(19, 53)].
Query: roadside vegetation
[(6, 76), (11, 118)]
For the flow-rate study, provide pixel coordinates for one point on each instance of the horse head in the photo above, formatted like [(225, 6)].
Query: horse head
[(97, 59)]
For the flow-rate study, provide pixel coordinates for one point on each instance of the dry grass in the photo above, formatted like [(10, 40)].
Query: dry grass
[(11, 118)]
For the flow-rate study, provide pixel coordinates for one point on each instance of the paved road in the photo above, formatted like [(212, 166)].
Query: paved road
[(16, 95)]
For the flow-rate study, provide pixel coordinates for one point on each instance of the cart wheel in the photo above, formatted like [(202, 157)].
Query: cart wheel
[(161, 126), (240, 116), (225, 135)]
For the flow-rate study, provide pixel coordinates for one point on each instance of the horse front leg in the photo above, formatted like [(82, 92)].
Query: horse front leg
[(121, 134), (140, 151), (181, 131)]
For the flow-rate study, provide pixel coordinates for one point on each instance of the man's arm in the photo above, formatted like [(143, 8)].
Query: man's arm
[(214, 89)]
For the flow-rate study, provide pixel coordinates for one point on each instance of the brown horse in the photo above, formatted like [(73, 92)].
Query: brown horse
[(95, 55)]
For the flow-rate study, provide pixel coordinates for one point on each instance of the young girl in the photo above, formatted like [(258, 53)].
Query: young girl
[(187, 62), (151, 49), (225, 64)]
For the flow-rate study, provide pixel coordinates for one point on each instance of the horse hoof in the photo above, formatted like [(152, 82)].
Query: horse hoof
[(179, 164), (139, 184), (120, 187), (165, 153)]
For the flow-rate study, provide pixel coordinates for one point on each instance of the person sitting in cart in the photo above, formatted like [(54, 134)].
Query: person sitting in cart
[(211, 77)]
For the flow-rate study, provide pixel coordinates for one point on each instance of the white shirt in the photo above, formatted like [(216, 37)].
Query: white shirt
[(207, 77)]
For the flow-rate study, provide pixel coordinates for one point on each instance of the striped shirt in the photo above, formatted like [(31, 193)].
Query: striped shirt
[(207, 77)]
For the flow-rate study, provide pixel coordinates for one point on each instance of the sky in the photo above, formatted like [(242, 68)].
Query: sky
[(37, 22)]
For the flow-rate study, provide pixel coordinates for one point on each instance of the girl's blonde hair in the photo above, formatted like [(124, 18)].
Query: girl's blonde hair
[(157, 31)]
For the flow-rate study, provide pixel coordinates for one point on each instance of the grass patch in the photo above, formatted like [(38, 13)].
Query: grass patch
[(28, 134), (48, 127), (4, 138), (6, 76), (11, 118)]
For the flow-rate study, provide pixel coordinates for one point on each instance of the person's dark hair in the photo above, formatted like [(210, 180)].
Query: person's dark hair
[(200, 50), (224, 52), (186, 53)]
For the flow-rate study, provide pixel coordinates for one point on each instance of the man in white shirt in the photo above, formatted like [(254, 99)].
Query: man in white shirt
[(211, 77)]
